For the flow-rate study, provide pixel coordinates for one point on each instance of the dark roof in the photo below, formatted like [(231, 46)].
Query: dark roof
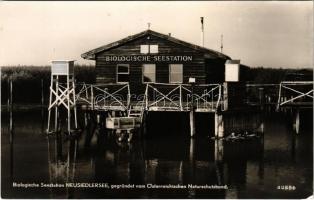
[(91, 54)]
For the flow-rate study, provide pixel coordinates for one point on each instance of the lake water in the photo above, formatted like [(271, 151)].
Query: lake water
[(278, 166)]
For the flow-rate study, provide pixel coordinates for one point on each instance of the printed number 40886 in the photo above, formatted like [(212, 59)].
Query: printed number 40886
[(286, 187)]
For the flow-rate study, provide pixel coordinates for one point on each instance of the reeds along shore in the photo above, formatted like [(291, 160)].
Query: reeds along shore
[(29, 81)]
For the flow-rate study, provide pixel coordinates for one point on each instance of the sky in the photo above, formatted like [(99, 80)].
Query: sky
[(270, 34)]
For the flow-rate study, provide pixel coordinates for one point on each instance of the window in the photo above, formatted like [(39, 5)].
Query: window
[(175, 73), (149, 73), (153, 48), (145, 49), (123, 73)]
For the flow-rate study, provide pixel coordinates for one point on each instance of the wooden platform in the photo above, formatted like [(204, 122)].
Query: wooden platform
[(166, 107), (178, 97)]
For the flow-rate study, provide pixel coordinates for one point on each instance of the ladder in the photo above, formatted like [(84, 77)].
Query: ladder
[(135, 112), (139, 110)]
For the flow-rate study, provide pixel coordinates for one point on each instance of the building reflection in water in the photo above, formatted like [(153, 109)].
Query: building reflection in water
[(248, 168), (160, 161)]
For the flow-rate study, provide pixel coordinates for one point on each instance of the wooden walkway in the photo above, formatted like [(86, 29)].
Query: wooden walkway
[(179, 98), (294, 94)]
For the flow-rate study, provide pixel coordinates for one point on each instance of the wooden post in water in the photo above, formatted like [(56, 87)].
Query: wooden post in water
[(192, 109), (261, 97), (8, 93), (85, 119), (262, 127), (192, 123), (42, 92), (68, 104), (218, 150), (191, 164), (42, 106), (225, 96), (296, 122), (279, 98), (92, 97), (219, 154), (219, 125), (56, 107), (11, 109)]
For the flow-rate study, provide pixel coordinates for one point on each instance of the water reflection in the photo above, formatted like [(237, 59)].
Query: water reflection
[(249, 168), (62, 154)]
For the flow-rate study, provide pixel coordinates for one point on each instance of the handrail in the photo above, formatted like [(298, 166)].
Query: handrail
[(91, 97), (298, 82), (260, 84), (185, 84), (202, 101), (299, 94), (102, 84)]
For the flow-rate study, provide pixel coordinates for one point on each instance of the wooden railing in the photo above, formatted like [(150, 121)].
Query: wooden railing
[(104, 96), (295, 93), (178, 97), (157, 96)]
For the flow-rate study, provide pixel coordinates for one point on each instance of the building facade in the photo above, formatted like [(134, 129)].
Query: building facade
[(152, 57)]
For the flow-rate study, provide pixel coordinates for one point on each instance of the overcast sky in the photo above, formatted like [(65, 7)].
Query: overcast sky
[(272, 34)]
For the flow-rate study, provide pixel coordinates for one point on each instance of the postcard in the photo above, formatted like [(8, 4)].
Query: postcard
[(156, 99)]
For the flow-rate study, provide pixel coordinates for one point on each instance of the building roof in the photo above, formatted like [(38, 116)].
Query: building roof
[(212, 53)]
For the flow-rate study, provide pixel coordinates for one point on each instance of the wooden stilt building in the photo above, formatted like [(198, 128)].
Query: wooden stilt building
[(152, 57)]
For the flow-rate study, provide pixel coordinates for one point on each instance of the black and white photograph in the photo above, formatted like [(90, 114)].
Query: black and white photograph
[(156, 99)]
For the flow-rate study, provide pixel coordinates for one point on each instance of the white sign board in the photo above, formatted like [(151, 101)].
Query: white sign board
[(232, 72), (62, 68)]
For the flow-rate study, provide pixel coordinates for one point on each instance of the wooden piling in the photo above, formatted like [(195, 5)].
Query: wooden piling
[(219, 125), (296, 123), (144, 123), (68, 105), (225, 96), (8, 101), (50, 101), (11, 105), (261, 127), (261, 98), (92, 97), (56, 106), (74, 103), (42, 92), (219, 150), (85, 119), (192, 123), (98, 118), (192, 113), (192, 150), (191, 163), (10, 109), (42, 106)]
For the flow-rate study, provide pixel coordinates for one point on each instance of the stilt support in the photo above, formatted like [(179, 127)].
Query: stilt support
[(192, 123), (219, 126), (296, 122), (62, 94), (219, 151)]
